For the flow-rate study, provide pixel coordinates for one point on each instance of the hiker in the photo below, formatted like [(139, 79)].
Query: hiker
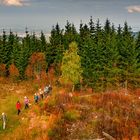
[(41, 94), (46, 91), (26, 102), (18, 107), (4, 119), (36, 98), (50, 88)]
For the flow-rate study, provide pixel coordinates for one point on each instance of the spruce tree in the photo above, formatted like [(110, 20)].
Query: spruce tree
[(128, 62), (43, 42), (91, 28), (34, 47), (87, 53), (55, 48), (7, 48), (70, 35), (55, 42), (24, 53), (107, 27), (138, 46)]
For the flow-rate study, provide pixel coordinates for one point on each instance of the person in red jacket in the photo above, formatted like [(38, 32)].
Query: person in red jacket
[(18, 107)]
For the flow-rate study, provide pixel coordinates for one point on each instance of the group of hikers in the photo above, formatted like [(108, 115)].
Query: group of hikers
[(40, 95)]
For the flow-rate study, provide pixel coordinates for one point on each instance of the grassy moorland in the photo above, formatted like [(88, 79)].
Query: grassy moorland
[(84, 115)]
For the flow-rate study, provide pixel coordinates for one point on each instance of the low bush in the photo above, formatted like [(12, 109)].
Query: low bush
[(71, 115)]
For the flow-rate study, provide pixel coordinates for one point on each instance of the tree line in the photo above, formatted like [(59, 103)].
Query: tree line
[(107, 56)]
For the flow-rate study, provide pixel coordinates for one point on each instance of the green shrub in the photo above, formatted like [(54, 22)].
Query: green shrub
[(52, 102), (76, 99), (41, 104), (78, 86), (71, 115), (51, 133), (34, 133)]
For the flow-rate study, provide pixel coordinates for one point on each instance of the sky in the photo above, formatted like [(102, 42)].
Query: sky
[(43, 14)]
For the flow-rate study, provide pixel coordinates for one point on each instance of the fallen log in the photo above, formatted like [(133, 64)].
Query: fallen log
[(108, 136), (99, 139)]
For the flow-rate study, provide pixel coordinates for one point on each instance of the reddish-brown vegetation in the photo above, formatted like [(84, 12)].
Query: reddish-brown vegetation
[(2, 69), (13, 70), (115, 113)]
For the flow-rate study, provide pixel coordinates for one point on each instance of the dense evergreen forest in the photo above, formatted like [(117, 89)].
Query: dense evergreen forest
[(101, 56)]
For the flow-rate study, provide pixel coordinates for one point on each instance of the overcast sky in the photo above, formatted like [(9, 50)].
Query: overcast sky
[(42, 14)]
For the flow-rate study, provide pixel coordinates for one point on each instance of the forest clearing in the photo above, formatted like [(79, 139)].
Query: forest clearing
[(84, 115)]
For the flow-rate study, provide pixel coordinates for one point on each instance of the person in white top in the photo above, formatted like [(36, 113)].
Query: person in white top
[(4, 119)]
